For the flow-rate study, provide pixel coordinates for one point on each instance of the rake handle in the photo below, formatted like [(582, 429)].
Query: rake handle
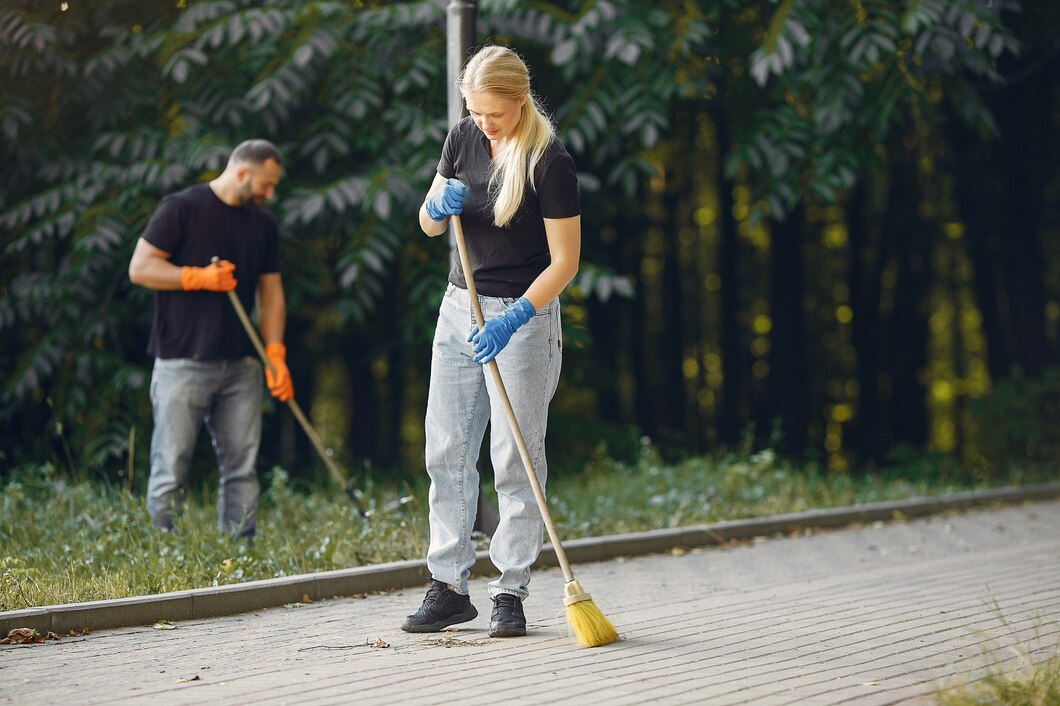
[(296, 409), (528, 464)]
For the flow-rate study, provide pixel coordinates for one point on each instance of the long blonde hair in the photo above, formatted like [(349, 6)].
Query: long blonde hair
[(499, 71)]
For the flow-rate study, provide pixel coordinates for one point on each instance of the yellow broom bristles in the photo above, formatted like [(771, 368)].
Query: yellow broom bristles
[(588, 624)]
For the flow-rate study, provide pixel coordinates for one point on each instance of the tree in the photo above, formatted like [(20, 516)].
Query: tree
[(767, 111)]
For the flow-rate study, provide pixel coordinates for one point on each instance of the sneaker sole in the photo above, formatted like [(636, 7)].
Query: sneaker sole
[(507, 631), (443, 624)]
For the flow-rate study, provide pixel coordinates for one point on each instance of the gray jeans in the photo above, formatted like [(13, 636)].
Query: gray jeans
[(224, 395), (461, 400)]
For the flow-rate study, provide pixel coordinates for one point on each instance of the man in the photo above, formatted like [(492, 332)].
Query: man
[(205, 369)]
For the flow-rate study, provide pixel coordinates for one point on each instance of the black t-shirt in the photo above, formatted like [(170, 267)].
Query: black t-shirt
[(193, 225), (506, 260)]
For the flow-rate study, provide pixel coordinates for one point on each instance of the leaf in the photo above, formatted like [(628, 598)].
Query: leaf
[(303, 55), (180, 71), (563, 52), (760, 67), (381, 205), (164, 625), (20, 636)]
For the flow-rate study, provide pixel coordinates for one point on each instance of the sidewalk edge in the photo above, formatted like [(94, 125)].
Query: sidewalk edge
[(200, 603)]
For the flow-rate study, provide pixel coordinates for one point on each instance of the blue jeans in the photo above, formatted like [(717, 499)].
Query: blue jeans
[(461, 400), (226, 396)]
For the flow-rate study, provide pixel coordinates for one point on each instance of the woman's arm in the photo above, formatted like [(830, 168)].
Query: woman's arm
[(564, 237), (430, 226)]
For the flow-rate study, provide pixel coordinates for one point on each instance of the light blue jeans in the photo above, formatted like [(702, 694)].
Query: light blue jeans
[(225, 395), (461, 400)]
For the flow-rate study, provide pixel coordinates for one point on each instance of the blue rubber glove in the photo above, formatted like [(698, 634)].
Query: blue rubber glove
[(496, 332), (447, 201)]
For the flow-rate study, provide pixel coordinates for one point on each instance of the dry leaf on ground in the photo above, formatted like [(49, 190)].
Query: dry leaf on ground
[(21, 636)]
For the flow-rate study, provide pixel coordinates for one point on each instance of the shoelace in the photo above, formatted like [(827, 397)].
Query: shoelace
[(432, 596)]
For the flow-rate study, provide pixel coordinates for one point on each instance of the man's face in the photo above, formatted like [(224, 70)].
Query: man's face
[(258, 182)]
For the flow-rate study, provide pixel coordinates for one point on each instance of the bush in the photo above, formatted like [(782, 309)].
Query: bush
[(1019, 420)]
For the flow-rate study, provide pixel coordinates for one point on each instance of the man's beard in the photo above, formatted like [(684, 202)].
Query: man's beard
[(246, 197)]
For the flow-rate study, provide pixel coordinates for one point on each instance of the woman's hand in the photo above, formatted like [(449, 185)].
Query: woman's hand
[(496, 332), (447, 201)]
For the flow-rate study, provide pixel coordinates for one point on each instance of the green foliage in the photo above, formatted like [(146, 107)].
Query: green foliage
[(72, 542), (1020, 419), (836, 80), (143, 101), (1027, 683), (109, 107), (651, 494), (66, 542)]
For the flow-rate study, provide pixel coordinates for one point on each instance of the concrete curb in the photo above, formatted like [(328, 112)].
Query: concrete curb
[(200, 603)]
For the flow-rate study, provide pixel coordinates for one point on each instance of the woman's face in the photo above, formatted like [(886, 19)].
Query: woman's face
[(495, 116)]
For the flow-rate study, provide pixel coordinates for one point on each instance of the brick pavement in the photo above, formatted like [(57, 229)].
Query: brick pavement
[(878, 614)]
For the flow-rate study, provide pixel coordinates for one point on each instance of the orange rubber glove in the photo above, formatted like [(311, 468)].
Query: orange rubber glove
[(280, 384), (215, 278)]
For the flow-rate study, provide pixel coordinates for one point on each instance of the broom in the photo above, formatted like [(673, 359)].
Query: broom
[(589, 625), (353, 494)]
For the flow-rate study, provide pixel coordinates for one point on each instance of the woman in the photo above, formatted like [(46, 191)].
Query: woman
[(516, 190)]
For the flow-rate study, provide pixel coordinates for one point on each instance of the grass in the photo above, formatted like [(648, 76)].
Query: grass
[(1027, 683), (63, 541)]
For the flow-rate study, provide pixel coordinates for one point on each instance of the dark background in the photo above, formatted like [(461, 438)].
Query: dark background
[(831, 230)]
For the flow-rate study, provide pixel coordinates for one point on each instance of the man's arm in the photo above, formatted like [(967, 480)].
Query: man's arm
[(272, 314), (272, 308), (150, 267)]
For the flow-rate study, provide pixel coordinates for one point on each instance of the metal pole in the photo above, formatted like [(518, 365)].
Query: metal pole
[(459, 40)]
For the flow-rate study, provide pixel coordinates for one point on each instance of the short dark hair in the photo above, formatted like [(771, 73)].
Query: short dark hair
[(255, 152)]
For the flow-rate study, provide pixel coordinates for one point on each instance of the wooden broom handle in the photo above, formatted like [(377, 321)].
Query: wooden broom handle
[(314, 438), (528, 465)]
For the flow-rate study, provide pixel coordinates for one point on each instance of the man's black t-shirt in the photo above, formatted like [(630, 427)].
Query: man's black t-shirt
[(193, 225), (506, 260)]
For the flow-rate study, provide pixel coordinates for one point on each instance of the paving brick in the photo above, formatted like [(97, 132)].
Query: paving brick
[(880, 613)]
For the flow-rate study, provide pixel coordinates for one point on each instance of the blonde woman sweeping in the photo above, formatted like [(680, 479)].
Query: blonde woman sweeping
[(516, 190)]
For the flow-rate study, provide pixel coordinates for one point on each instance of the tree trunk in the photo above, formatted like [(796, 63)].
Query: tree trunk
[(977, 187), (645, 360), (1025, 116), (787, 357), (363, 420), (735, 390), (864, 272), (908, 328), (674, 303)]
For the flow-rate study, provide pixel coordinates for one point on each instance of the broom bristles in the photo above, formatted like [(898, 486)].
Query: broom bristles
[(588, 624)]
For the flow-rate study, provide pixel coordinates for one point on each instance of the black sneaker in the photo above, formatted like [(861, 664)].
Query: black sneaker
[(441, 608), (507, 619)]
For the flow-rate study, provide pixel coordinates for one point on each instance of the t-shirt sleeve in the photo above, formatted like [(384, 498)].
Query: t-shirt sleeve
[(557, 188), (165, 230), (447, 162)]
